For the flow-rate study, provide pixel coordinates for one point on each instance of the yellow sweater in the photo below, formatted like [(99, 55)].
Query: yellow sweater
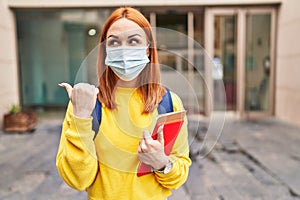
[(106, 167)]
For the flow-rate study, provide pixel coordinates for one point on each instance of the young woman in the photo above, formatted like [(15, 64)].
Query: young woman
[(129, 90)]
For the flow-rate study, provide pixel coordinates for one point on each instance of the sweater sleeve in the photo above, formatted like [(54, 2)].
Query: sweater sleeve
[(76, 159), (179, 155)]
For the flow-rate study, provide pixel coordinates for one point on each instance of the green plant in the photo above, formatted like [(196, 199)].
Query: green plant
[(14, 109)]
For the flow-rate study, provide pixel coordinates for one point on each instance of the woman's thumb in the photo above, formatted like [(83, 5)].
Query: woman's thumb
[(160, 134), (68, 88)]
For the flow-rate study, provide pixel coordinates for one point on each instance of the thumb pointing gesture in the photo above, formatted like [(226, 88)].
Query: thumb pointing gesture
[(83, 97), (68, 88)]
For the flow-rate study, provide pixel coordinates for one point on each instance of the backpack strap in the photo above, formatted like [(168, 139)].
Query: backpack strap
[(97, 115), (165, 106)]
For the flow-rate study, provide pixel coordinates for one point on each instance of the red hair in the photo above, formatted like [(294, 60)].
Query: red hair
[(148, 80)]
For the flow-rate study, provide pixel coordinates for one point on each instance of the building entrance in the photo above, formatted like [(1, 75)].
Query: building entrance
[(241, 43)]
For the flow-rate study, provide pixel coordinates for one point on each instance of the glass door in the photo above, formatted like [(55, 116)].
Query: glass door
[(258, 62), (241, 43), (179, 52), (224, 68)]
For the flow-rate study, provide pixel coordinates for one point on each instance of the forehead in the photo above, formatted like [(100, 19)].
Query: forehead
[(125, 27)]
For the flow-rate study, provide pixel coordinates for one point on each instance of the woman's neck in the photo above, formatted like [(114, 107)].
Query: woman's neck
[(127, 84)]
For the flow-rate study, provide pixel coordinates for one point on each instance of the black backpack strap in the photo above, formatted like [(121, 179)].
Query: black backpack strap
[(165, 106)]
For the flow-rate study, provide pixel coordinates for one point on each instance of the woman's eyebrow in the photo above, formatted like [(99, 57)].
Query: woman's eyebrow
[(134, 35), (114, 36)]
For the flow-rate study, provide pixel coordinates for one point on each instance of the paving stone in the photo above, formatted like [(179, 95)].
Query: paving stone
[(67, 193), (219, 184), (260, 174), (275, 157), (179, 194), (244, 181), (196, 181), (27, 183)]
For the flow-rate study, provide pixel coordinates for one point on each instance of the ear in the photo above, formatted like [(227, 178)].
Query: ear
[(148, 52)]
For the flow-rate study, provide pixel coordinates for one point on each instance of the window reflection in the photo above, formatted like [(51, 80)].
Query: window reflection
[(52, 45)]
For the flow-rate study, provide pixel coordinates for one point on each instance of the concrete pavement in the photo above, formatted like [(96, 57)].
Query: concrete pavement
[(251, 160)]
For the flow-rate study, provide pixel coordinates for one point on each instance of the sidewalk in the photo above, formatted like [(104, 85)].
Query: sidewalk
[(251, 160)]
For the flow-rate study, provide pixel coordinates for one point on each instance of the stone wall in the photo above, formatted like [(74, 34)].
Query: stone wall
[(9, 92), (287, 88)]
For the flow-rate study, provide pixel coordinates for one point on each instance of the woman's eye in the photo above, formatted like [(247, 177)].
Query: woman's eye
[(112, 43), (133, 41)]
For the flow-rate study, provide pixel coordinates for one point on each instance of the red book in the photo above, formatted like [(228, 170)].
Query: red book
[(172, 123)]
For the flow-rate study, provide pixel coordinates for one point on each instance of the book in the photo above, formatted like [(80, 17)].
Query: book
[(172, 123)]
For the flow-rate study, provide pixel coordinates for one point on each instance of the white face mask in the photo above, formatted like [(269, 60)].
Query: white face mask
[(127, 61)]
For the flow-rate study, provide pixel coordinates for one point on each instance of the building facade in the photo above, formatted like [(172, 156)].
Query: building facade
[(248, 49)]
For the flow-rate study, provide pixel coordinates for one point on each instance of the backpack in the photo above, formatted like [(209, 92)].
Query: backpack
[(165, 106)]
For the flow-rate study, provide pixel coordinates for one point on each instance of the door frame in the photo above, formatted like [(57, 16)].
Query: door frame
[(241, 13)]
